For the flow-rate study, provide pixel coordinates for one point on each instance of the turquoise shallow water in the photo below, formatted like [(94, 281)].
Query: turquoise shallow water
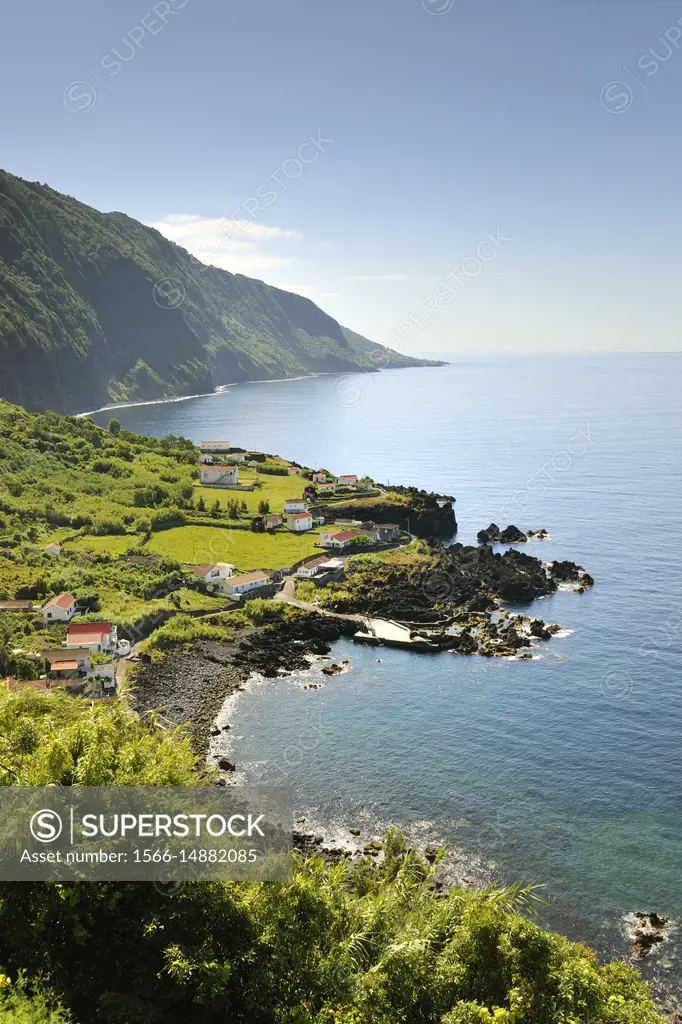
[(565, 770)]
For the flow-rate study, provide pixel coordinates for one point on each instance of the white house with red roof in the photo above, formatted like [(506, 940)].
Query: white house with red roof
[(60, 609), (339, 540), (348, 480), (96, 636), (299, 522)]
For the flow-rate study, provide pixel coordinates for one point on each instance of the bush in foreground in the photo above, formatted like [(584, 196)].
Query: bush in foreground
[(336, 945)]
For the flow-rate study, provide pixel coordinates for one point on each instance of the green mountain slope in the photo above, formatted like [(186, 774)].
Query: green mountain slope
[(97, 307)]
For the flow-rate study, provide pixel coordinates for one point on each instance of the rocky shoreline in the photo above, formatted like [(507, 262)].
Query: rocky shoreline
[(190, 687)]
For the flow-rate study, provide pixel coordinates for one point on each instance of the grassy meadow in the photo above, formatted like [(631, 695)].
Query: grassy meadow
[(243, 548)]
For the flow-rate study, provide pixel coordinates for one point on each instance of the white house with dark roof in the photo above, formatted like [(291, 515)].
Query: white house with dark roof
[(292, 505)]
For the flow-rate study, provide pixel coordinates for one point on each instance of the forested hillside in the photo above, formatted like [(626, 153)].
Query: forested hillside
[(97, 307)]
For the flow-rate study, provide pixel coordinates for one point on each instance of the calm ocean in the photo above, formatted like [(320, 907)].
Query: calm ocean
[(567, 770)]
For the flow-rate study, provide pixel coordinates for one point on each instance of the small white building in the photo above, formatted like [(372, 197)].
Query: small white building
[(299, 522), (293, 470), (319, 478), (272, 520), (348, 480), (292, 505), (245, 583), (311, 567), (214, 447), (60, 609), (212, 572), (219, 476), (327, 488), (53, 549)]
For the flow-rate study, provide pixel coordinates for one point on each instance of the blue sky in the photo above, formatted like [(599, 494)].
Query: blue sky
[(483, 175)]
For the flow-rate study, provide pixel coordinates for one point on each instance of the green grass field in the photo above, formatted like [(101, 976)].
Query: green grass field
[(117, 606), (275, 489), (242, 548), (109, 545)]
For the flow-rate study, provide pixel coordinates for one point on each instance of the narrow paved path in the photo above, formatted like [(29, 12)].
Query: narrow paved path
[(288, 594)]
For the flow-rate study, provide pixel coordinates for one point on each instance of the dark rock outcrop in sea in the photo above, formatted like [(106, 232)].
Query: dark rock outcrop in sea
[(422, 514), (493, 535), (648, 931)]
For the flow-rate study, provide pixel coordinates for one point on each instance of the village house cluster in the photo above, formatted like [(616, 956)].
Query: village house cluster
[(85, 663)]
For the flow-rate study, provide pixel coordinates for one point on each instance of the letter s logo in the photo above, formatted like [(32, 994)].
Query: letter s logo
[(46, 826)]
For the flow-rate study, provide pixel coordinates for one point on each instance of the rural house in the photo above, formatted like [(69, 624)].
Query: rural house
[(219, 476), (310, 568), (319, 478), (272, 521), (328, 488), (213, 572), (385, 533), (60, 609), (96, 636), (68, 663), (299, 522), (295, 505), (348, 480), (53, 549), (214, 447), (339, 540), (246, 583), (293, 470)]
